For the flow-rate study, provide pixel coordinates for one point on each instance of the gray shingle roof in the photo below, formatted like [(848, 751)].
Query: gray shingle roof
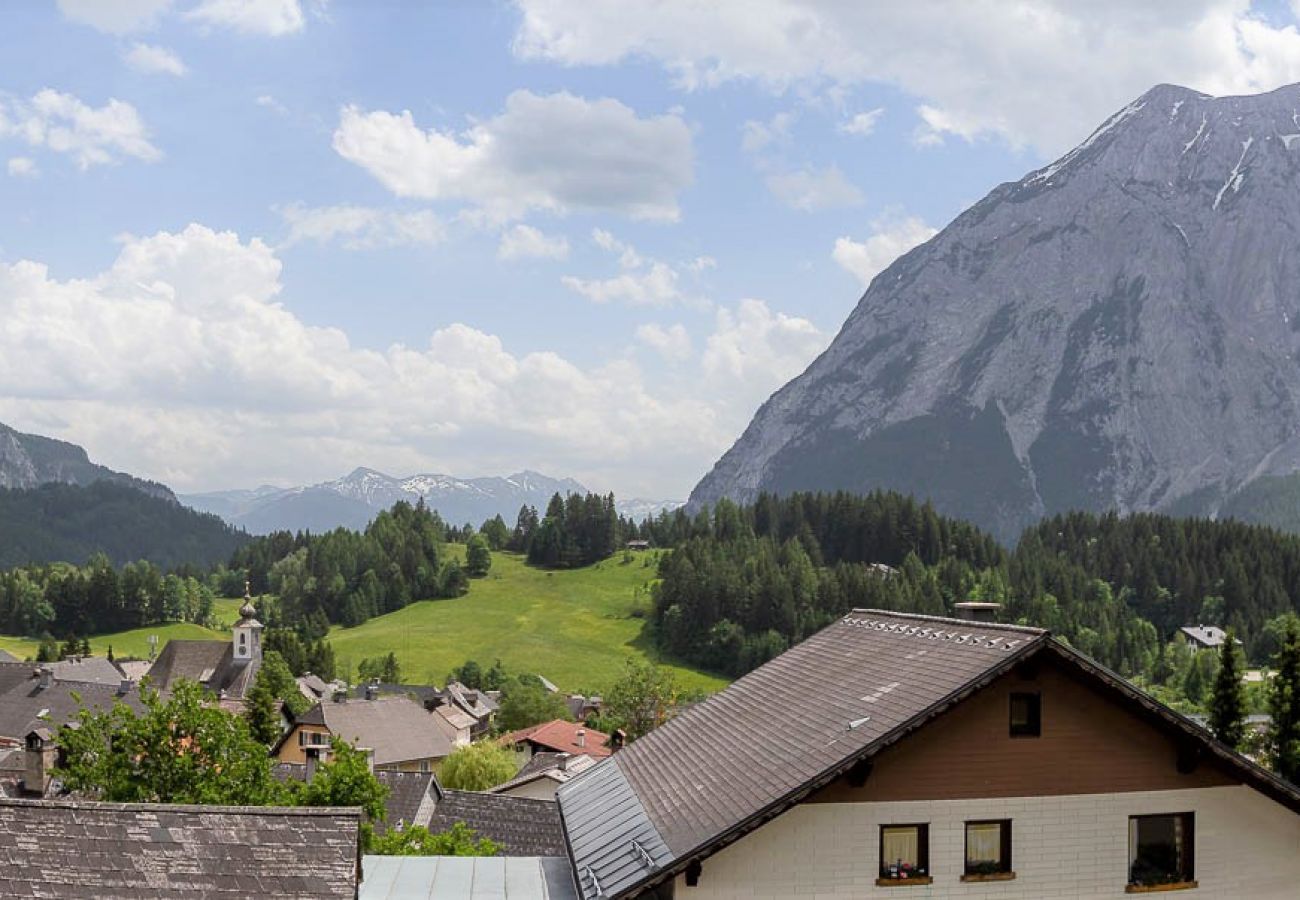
[(97, 669), (739, 755), (25, 705), (524, 827), (396, 728), (466, 878), (211, 663), (116, 850), (411, 798)]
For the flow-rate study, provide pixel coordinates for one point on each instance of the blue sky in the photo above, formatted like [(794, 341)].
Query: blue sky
[(249, 241)]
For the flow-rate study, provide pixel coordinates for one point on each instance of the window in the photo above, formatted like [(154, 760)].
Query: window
[(1026, 715), (312, 738), (1160, 850), (988, 849), (904, 853)]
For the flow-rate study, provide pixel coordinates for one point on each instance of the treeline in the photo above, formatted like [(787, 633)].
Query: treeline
[(64, 599), (69, 523), (346, 577), (576, 531)]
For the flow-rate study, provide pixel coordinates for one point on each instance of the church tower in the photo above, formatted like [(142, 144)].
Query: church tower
[(247, 632)]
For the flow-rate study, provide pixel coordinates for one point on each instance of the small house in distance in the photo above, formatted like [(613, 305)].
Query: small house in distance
[(954, 758), (1204, 637), (559, 736), (399, 733), (638, 545)]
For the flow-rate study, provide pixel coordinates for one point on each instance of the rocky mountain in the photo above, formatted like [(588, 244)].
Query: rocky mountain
[(29, 461), (1117, 330), (352, 501)]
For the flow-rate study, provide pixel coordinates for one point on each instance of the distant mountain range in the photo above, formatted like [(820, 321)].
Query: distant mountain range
[(352, 501)]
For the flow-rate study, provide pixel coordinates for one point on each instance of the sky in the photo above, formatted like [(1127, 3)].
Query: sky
[(252, 242)]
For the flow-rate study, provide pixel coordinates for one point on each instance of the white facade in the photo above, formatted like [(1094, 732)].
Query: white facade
[(1246, 846)]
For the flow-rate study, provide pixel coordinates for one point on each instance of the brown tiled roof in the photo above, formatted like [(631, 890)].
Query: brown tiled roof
[(117, 850), (739, 757), (524, 827), (562, 737), (396, 728)]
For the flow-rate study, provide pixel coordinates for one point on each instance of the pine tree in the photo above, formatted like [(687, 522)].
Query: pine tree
[(1228, 701), (1284, 707), (263, 719)]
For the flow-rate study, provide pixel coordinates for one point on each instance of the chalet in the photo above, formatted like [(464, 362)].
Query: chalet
[(542, 775), (226, 668), (941, 755), (559, 736), (86, 849), (1204, 637), (478, 705), (399, 733), (638, 545)]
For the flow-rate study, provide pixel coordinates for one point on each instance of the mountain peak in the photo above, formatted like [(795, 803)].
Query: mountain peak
[(1116, 330)]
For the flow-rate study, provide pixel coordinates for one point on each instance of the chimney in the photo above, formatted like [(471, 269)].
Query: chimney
[(124, 687), (371, 691), (46, 676), (580, 737), (312, 755), (41, 753), (617, 739), (977, 611)]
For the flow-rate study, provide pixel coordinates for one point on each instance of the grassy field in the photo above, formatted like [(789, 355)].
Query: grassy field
[(136, 642), (574, 627)]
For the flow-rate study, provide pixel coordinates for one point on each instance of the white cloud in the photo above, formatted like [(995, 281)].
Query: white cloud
[(672, 343), (1043, 74), (360, 227), (555, 153), (861, 124), (888, 241), (114, 16), (152, 59), (812, 190), (527, 242), (269, 18), (179, 362), (756, 136), (266, 101), (640, 282), (22, 167), (753, 351), (91, 136)]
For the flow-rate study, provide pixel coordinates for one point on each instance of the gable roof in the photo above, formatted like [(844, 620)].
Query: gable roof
[(97, 669), (103, 850), (735, 761), (556, 767), (396, 728), (211, 663), (1206, 635), (523, 826), (25, 705), (411, 798), (562, 737)]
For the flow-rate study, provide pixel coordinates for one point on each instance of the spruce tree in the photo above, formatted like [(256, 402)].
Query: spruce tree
[(1284, 707), (1228, 701)]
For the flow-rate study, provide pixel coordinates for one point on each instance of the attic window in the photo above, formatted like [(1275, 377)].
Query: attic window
[(1026, 715)]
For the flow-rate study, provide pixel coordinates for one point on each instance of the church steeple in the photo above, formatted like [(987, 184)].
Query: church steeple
[(247, 631)]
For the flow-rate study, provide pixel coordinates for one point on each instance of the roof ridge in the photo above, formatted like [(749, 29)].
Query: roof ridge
[(195, 808), (947, 620)]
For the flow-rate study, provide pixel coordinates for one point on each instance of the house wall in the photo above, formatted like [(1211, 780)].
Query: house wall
[(1063, 846), (1089, 745), (538, 789), (429, 764), (290, 752)]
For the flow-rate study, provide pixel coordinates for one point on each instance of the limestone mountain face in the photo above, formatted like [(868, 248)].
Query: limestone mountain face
[(1118, 330), (30, 460)]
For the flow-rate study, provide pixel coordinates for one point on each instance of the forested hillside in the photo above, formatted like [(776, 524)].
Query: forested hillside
[(70, 523)]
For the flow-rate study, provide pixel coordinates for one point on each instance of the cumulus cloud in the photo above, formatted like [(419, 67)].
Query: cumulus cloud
[(640, 282), (360, 227), (153, 60), (270, 18), (979, 67), (22, 167), (672, 343), (554, 153), (756, 136), (116, 17), (889, 240), (179, 362), (64, 124), (527, 242), (861, 124), (813, 190)]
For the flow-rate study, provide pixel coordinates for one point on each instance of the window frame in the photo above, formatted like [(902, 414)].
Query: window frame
[(1004, 850), (1186, 877), (1033, 726), (922, 855)]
